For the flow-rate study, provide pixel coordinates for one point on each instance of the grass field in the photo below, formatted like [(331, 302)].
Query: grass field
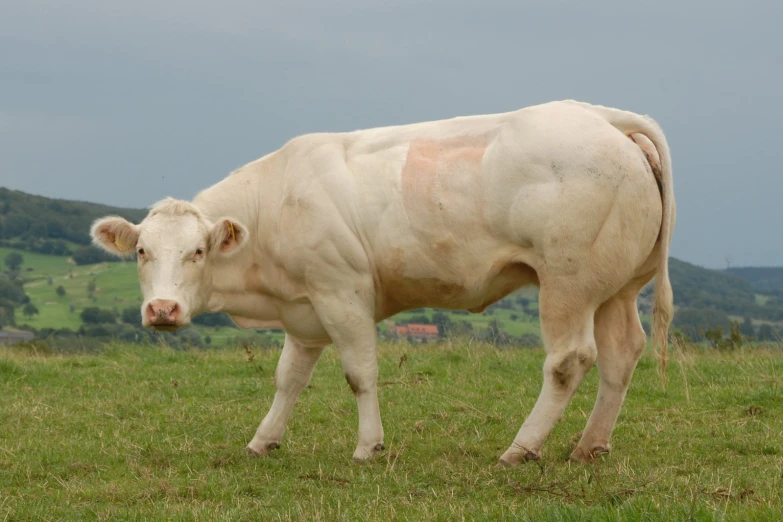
[(150, 433)]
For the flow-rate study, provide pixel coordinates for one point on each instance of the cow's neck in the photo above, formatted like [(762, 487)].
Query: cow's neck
[(238, 196), (234, 197)]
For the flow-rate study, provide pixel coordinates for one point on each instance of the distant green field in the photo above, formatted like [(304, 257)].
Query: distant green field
[(143, 433), (116, 286)]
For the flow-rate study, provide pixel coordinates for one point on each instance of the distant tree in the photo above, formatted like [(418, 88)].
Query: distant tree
[(696, 323), (60, 291), (213, 319), (96, 331), (30, 310), (766, 333), (747, 329), (95, 315), (12, 291), (736, 339), (461, 327), (131, 316), (16, 225), (36, 230), (13, 260), (49, 280), (714, 336), (91, 287), (6, 313), (496, 334), (72, 307), (189, 337), (443, 321), (56, 247), (514, 317)]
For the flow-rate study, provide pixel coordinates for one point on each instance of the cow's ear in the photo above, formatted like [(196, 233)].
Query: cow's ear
[(227, 236), (115, 235)]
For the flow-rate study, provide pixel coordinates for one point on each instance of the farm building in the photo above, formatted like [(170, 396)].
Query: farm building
[(416, 332)]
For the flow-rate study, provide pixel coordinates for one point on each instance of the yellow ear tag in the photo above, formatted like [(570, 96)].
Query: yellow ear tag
[(231, 234), (120, 245)]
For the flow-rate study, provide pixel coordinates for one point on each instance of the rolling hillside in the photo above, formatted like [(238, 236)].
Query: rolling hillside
[(25, 215), (768, 279), (54, 226), (704, 298)]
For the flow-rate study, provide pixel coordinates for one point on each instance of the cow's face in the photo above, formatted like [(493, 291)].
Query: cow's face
[(175, 247)]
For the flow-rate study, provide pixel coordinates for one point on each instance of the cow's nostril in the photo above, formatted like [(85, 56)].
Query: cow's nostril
[(162, 311)]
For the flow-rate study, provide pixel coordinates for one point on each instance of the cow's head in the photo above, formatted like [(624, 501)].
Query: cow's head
[(175, 247)]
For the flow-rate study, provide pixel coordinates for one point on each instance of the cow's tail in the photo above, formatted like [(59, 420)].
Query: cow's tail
[(630, 123)]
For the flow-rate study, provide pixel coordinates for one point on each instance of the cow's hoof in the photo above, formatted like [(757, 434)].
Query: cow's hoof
[(261, 449), (583, 456), (515, 458), (365, 453)]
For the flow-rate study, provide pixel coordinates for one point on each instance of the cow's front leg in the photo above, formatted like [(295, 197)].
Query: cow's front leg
[(350, 324), (294, 370)]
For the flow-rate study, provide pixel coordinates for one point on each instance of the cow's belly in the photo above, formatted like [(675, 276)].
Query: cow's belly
[(407, 281)]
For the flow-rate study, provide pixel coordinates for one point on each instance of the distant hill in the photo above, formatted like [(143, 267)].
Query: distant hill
[(707, 299), (764, 279), (697, 287), (52, 226), (24, 216)]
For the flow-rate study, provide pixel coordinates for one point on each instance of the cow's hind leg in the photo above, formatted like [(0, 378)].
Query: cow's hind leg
[(620, 339), (294, 370), (567, 328)]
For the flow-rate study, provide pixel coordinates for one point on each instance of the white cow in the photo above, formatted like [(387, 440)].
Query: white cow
[(337, 231)]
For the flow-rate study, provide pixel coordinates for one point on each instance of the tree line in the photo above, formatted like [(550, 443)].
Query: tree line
[(54, 226)]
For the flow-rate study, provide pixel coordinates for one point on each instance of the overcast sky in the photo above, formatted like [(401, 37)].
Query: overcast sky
[(127, 102)]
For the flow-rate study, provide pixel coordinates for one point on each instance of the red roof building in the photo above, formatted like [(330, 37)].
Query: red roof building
[(419, 332)]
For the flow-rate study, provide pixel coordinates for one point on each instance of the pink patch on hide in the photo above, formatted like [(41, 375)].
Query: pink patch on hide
[(440, 175)]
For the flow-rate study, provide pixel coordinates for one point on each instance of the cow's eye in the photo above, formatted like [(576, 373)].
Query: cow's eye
[(199, 252), (141, 251)]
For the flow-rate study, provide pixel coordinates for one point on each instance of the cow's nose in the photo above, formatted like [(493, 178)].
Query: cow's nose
[(163, 312)]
